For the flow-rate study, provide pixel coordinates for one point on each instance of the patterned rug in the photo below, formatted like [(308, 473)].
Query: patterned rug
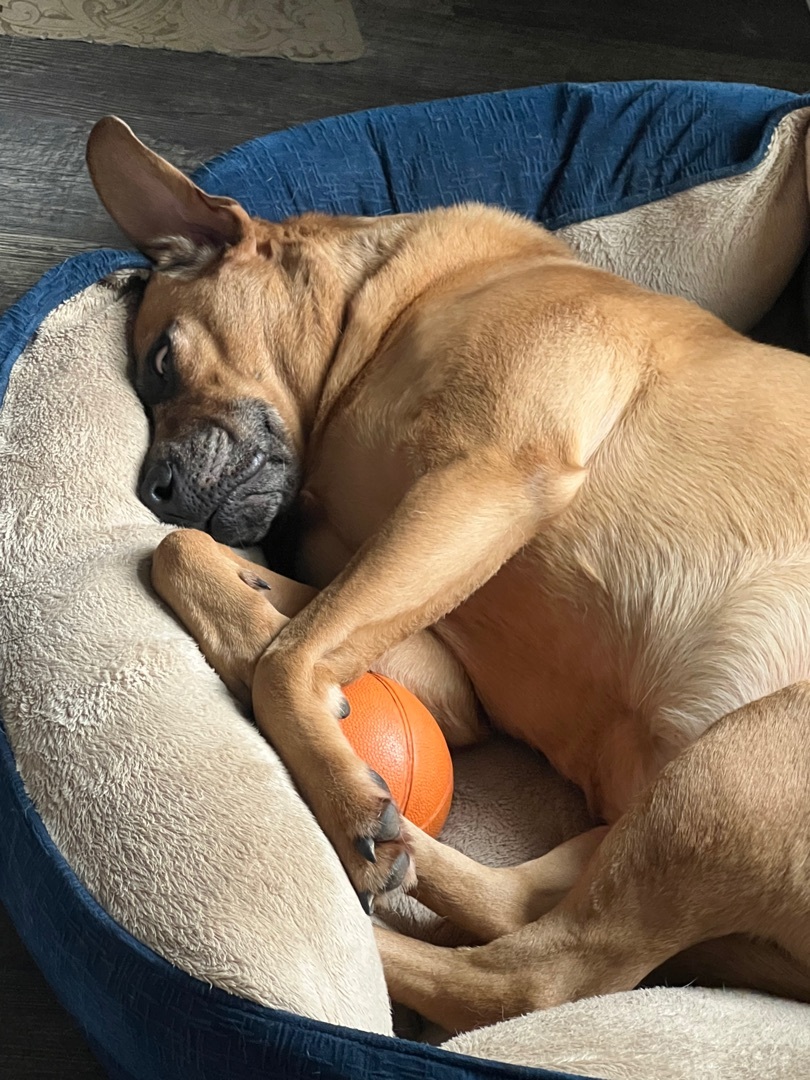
[(312, 31)]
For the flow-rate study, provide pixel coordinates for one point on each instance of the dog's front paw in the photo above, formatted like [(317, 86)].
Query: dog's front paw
[(366, 830), (300, 711)]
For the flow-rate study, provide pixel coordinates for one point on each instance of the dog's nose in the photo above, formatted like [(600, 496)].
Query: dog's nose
[(157, 489)]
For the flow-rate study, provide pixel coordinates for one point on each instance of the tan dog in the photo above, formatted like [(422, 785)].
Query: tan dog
[(539, 488)]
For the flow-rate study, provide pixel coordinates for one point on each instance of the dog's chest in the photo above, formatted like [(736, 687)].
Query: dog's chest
[(350, 490)]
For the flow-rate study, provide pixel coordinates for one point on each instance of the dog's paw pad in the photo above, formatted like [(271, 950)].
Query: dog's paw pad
[(387, 863)]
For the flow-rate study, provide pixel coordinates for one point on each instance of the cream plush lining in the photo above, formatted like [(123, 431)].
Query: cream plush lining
[(170, 807)]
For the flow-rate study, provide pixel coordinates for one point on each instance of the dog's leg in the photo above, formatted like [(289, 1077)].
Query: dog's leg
[(488, 902), (424, 664), (220, 598), (235, 608), (717, 846), (450, 533), (737, 961)]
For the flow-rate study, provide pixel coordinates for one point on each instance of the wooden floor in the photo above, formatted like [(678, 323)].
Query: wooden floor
[(191, 107)]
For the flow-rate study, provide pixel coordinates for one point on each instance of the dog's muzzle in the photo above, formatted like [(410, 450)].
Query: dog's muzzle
[(232, 486)]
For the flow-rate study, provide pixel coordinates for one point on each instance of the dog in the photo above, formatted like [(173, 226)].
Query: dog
[(544, 499)]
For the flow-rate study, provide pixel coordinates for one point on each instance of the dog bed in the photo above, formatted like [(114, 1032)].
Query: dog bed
[(155, 857)]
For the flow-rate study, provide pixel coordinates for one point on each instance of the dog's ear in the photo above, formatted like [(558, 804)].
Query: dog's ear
[(166, 216)]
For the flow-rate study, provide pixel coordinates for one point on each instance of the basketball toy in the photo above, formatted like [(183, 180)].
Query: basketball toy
[(393, 732)]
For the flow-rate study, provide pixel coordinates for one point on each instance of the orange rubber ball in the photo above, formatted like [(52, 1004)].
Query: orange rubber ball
[(393, 732)]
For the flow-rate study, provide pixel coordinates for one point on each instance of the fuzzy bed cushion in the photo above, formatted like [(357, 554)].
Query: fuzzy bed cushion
[(154, 855)]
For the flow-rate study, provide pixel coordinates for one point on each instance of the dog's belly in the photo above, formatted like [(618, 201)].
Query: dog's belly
[(560, 660), (547, 672)]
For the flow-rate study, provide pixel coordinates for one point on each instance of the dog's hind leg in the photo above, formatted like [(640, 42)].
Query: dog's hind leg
[(717, 845), (737, 961), (488, 902), (424, 664)]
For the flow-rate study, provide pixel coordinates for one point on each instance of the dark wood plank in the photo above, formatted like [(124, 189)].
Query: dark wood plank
[(191, 107), (744, 28), (38, 1040)]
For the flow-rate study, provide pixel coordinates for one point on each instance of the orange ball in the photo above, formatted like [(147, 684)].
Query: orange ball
[(393, 732)]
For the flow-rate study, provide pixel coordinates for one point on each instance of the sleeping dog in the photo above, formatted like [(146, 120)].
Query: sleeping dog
[(532, 492)]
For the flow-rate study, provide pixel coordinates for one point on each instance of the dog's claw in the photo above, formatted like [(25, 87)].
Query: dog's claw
[(388, 825), (399, 869), (365, 845), (253, 580), (372, 846), (375, 776)]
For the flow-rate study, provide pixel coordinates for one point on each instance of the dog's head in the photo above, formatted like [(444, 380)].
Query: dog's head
[(232, 340)]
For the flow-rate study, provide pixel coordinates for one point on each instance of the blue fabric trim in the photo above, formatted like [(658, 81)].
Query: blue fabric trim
[(147, 1020), (559, 154), (21, 321)]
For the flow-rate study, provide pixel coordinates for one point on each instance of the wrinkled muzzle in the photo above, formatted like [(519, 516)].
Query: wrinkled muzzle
[(228, 476)]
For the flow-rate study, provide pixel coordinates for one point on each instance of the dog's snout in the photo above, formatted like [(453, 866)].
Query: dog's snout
[(230, 476), (157, 489)]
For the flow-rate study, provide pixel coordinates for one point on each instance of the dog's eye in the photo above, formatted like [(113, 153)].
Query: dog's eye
[(156, 376), (162, 358)]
